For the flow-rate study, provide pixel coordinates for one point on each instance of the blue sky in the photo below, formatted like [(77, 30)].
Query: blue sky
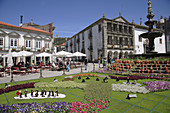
[(71, 16)]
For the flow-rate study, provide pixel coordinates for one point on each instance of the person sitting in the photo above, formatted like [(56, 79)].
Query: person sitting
[(42, 93), (97, 79), (27, 64), (20, 94), (105, 80), (128, 97), (83, 80), (1, 66), (87, 78), (56, 92), (17, 93), (32, 91), (26, 93), (128, 79), (45, 91), (79, 77), (41, 64), (134, 82), (49, 93), (52, 92), (117, 78)]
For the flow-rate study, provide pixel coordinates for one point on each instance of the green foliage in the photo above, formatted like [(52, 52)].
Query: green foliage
[(98, 91), (65, 84)]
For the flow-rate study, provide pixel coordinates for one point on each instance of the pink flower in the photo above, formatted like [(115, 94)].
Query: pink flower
[(94, 101)]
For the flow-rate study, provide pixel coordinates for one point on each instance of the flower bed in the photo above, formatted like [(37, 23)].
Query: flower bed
[(98, 91), (90, 107), (17, 87), (90, 75), (129, 88), (35, 107), (135, 77), (157, 85), (65, 84)]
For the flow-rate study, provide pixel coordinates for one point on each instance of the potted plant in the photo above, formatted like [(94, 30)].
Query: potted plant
[(38, 50), (13, 49)]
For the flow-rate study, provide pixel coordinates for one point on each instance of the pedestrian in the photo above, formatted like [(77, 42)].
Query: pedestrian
[(68, 65), (85, 63)]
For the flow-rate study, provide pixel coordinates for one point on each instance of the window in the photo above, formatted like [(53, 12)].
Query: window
[(130, 30), (38, 44), (140, 39), (120, 28), (1, 42), (116, 41), (114, 27), (13, 42), (28, 43), (160, 41), (46, 45), (125, 29), (109, 40), (109, 26), (126, 41), (83, 36), (121, 40), (130, 41), (99, 27)]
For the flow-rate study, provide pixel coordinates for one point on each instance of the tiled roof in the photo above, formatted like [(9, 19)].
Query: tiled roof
[(28, 28)]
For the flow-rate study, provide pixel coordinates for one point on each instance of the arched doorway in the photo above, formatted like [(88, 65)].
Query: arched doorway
[(126, 55)]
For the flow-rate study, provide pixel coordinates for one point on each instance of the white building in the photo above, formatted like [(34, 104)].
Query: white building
[(112, 38), (141, 44), (24, 38)]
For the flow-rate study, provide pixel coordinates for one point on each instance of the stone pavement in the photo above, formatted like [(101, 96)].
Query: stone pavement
[(46, 73)]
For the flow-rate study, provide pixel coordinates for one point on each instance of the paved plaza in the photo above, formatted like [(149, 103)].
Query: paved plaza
[(46, 73)]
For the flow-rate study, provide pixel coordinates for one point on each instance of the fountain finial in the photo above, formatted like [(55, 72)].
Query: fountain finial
[(150, 12)]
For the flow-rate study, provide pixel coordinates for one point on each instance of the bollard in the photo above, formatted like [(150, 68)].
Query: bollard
[(12, 79), (41, 73)]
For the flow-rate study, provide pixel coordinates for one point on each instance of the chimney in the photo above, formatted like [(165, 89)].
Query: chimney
[(31, 21), (140, 21), (21, 21)]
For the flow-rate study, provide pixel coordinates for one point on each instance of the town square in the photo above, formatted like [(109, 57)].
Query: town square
[(76, 57)]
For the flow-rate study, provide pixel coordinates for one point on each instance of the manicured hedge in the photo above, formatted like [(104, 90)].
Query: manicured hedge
[(135, 77), (17, 87)]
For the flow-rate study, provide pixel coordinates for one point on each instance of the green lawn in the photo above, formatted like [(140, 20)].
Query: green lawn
[(158, 102)]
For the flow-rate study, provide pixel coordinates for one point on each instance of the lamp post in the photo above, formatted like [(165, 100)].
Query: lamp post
[(41, 73), (93, 65), (64, 67)]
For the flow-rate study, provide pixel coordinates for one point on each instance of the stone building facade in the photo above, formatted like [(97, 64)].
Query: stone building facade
[(108, 38)]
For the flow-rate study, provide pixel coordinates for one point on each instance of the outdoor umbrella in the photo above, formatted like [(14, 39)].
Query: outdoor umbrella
[(25, 53), (9, 60), (44, 54), (77, 54), (10, 63), (62, 54), (14, 54)]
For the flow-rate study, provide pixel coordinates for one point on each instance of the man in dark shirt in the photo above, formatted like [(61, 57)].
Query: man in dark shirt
[(85, 63)]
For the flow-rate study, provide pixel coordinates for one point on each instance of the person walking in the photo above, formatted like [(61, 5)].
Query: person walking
[(85, 63)]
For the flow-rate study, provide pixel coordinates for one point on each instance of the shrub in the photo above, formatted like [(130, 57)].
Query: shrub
[(65, 84), (17, 87), (90, 75)]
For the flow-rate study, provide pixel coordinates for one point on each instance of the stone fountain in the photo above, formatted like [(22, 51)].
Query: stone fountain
[(151, 34)]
